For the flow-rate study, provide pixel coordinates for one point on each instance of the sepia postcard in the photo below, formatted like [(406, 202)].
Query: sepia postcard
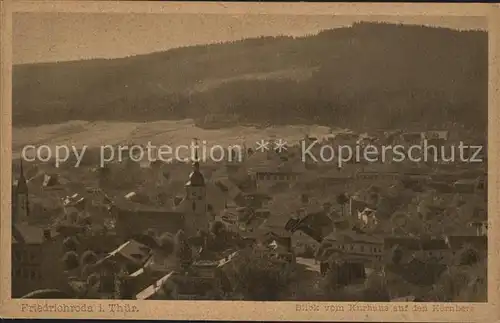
[(250, 161)]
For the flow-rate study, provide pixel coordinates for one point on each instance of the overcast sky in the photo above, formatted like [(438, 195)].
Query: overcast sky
[(49, 37)]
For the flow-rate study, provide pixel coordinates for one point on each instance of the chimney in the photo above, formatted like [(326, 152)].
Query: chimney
[(47, 235)]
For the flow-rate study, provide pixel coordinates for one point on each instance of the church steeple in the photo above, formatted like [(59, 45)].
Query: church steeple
[(196, 178), (195, 204), (21, 203), (22, 186)]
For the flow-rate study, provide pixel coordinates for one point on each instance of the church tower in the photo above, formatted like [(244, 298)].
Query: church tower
[(21, 209), (195, 203)]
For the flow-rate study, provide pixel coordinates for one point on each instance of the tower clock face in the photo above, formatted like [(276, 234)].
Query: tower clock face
[(195, 195)]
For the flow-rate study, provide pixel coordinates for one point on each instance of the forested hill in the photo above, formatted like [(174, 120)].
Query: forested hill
[(377, 75)]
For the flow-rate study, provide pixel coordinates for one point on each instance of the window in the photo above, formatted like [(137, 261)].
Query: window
[(194, 206), (362, 248), (17, 272)]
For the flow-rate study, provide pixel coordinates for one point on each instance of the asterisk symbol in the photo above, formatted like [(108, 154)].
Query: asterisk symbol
[(281, 145), (262, 145)]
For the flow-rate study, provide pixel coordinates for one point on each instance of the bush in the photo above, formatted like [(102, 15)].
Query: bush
[(376, 288), (468, 257), (167, 243), (477, 289), (88, 258), (70, 260), (450, 285), (260, 278), (182, 250), (70, 244), (341, 274)]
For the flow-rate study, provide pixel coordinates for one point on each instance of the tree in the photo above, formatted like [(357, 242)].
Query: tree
[(71, 260), (167, 243), (342, 273), (450, 285), (88, 258), (342, 200), (219, 239), (182, 250), (217, 228), (397, 255), (93, 279), (86, 270), (91, 288), (70, 244), (150, 232), (468, 257), (376, 288), (259, 277)]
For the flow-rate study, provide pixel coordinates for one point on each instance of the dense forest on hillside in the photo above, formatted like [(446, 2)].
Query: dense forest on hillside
[(368, 75)]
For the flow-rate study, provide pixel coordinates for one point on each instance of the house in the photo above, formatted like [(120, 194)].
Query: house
[(441, 187), (317, 225), (36, 259), (356, 206), (250, 218), (441, 135), (231, 192), (206, 280), (415, 274), (266, 179), (133, 219), (367, 140), (131, 254), (480, 227), (258, 200), (477, 246), (154, 291), (469, 186), (352, 247), (20, 198), (52, 182), (402, 250), (378, 176), (116, 266), (435, 250), (236, 171), (346, 138), (412, 138)]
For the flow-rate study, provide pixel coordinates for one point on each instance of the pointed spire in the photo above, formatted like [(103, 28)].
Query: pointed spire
[(22, 186), (196, 162), (196, 178)]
